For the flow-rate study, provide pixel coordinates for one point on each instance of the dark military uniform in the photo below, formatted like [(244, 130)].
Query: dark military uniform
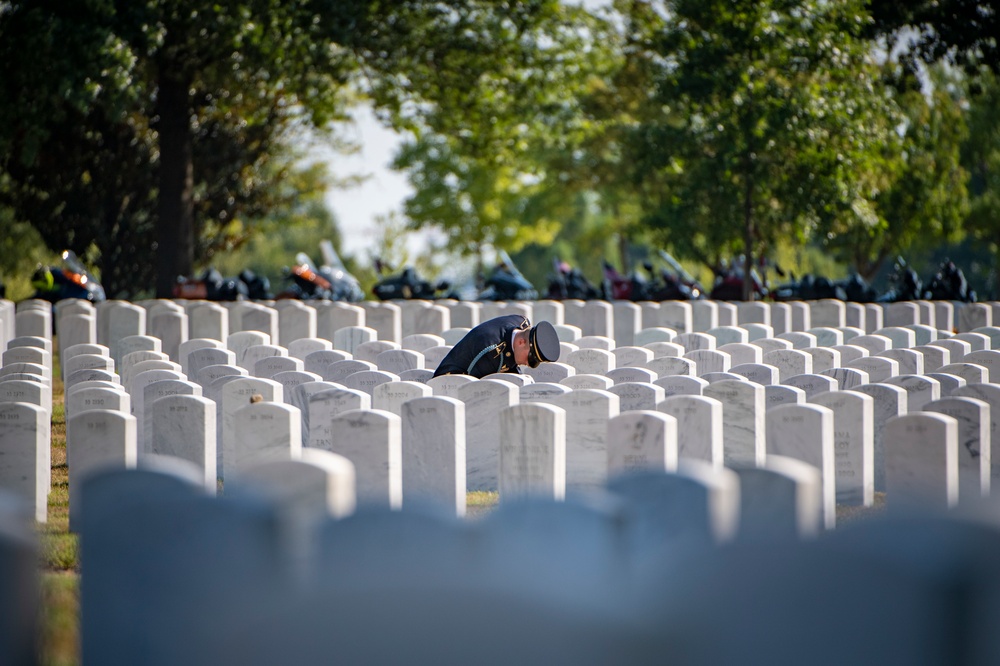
[(485, 349)]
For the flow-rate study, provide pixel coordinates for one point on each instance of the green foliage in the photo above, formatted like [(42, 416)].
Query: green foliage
[(484, 156), (21, 250), (772, 124), (153, 123), (923, 200), (582, 242), (981, 157), (295, 220), (159, 136)]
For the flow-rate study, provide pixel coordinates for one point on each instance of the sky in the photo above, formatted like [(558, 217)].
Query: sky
[(383, 191)]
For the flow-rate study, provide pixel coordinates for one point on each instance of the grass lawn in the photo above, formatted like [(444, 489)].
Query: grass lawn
[(60, 578)]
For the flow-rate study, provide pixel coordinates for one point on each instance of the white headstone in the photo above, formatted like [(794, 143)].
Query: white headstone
[(853, 444), (879, 368), (484, 400), (823, 358), (577, 382), (97, 439), (974, 443), (681, 385), (743, 409), (302, 347), (392, 395), (25, 461), (974, 315), (368, 351), (151, 393), (919, 390), (779, 394), (588, 412), (827, 336), (171, 327), (921, 460), (209, 320), (325, 406), (789, 362), (241, 341), (781, 499), (372, 440), (665, 366), (335, 316), (709, 360), (235, 395), (264, 432), (433, 451), (317, 361), (296, 321), (184, 426), (699, 426), (759, 373), (740, 353), (805, 432), (641, 440), (799, 339), (532, 451), (812, 384), (338, 371), (591, 361), (910, 362)]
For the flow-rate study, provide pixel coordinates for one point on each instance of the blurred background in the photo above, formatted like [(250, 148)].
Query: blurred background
[(157, 139)]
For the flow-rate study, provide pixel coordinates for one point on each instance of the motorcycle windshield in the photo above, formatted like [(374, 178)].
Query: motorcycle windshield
[(303, 259), (75, 272)]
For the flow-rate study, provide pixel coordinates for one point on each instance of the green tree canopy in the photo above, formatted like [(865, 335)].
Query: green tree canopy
[(924, 202), (772, 123), (168, 80), (981, 157), (146, 113), (492, 160)]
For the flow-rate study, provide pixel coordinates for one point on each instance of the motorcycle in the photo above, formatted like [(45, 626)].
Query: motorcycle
[(905, 284), (949, 284), (570, 283), (70, 280), (506, 283), (620, 287), (409, 285), (728, 285), (675, 284), (329, 282), (212, 286)]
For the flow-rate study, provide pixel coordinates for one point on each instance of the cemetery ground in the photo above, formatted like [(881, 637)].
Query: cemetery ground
[(58, 547), (59, 566)]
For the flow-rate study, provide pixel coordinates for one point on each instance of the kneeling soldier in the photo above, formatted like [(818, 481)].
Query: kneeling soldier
[(501, 345)]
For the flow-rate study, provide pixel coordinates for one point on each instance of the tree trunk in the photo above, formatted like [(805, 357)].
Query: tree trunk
[(625, 253), (175, 204), (748, 234)]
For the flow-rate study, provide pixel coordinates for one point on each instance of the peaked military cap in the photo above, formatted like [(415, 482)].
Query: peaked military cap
[(543, 344)]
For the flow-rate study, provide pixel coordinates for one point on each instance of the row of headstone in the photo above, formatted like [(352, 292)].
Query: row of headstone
[(536, 469), (581, 467), (625, 576), (25, 418), (96, 366), (286, 321)]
